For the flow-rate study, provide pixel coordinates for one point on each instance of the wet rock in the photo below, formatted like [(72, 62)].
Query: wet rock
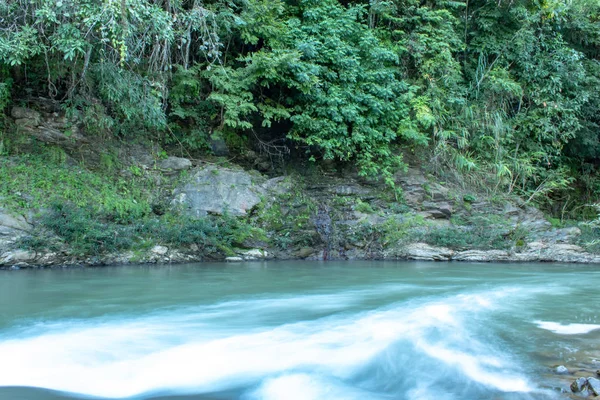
[(234, 259), (483, 255), (594, 385), (175, 164), (218, 191), (561, 370), (425, 252), (579, 385)]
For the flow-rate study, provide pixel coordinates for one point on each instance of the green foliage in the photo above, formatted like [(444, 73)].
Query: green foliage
[(325, 71), (478, 232), (590, 233), (363, 207), (46, 179), (84, 232), (291, 216), (504, 93)]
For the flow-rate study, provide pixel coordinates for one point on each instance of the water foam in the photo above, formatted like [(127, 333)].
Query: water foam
[(568, 329), (181, 351)]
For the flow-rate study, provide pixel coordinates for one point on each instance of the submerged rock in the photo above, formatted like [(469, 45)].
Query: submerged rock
[(579, 385), (594, 385), (561, 370)]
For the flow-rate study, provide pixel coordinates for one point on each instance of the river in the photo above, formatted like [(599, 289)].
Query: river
[(297, 330)]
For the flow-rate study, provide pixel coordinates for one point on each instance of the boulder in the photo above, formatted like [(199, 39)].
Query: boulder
[(175, 164), (218, 191)]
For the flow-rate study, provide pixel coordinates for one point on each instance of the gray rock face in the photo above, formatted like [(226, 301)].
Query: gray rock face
[(26, 116), (412, 183), (483, 255), (438, 210), (48, 128), (348, 190), (217, 191), (175, 164), (537, 251), (10, 222), (17, 256)]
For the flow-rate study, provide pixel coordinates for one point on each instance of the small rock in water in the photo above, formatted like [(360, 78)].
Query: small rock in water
[(561, 370), (578, 385), (594, 385)]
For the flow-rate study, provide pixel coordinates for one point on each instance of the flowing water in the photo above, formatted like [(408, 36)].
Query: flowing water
[(297, 330)]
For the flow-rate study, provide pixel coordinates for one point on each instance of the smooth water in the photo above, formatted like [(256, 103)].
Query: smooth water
[(297, 330)]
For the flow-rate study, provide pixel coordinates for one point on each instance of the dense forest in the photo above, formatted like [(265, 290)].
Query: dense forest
[(504, 92)]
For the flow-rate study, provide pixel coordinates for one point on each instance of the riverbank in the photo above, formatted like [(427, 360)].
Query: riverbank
[(230, 214), (76, 199)]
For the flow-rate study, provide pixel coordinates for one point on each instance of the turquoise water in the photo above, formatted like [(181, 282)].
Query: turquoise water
[(297, 330)]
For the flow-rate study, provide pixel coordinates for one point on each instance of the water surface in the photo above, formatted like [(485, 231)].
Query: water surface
[(297, 330)]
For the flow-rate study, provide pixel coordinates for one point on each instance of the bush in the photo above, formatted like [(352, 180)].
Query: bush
[(85, 233), (476, 233)]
